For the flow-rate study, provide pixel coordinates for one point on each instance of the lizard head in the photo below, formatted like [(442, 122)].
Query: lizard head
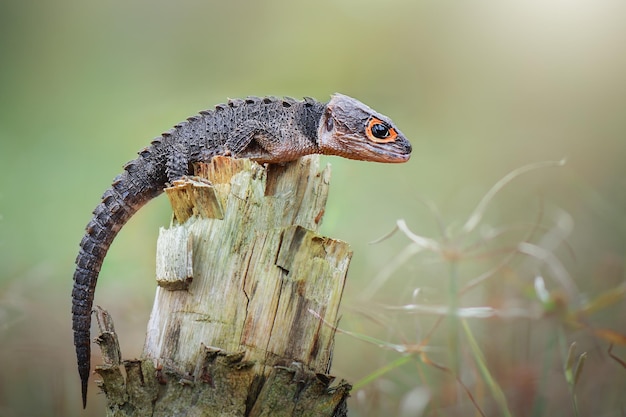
[(350, 129)]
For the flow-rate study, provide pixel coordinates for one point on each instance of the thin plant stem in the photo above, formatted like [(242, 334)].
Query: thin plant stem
[(569, 370), (496, 391), (368, 379), (539, 403), (453, 318), (477, 215)]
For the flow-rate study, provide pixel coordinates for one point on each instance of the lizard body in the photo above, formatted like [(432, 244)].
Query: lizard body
[(267, 130)]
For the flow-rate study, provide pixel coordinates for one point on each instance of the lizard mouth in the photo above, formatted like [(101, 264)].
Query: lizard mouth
[(401, 158), (396, 152), (394, 158)]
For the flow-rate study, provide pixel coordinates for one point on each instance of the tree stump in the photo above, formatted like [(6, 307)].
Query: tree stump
[(243, 279)]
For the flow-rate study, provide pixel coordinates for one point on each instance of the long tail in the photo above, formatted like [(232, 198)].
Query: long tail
[(138, 184)]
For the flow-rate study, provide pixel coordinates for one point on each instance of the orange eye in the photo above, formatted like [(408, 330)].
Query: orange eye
[(377, 131)]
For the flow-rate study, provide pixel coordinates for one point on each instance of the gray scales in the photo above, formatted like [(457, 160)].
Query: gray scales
[(266, 130)]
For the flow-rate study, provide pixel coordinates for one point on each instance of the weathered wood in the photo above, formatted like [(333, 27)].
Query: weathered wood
[(239, 270)]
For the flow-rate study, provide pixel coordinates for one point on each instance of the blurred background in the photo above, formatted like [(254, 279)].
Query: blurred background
[(480, 88)]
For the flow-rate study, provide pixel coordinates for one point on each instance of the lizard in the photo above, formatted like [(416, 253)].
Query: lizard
[(266, 130)]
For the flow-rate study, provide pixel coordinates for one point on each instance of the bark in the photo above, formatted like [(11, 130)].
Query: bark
[(244, 282)]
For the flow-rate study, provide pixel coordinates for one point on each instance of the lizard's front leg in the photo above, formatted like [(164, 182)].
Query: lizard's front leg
[(255, 140)]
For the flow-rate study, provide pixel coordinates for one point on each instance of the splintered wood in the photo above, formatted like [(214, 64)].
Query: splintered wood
[(240, 271)]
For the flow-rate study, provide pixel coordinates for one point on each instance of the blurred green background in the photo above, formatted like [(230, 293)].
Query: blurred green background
[(479, 87)]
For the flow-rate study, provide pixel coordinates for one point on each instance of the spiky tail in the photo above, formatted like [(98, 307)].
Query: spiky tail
[(139, 183)]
